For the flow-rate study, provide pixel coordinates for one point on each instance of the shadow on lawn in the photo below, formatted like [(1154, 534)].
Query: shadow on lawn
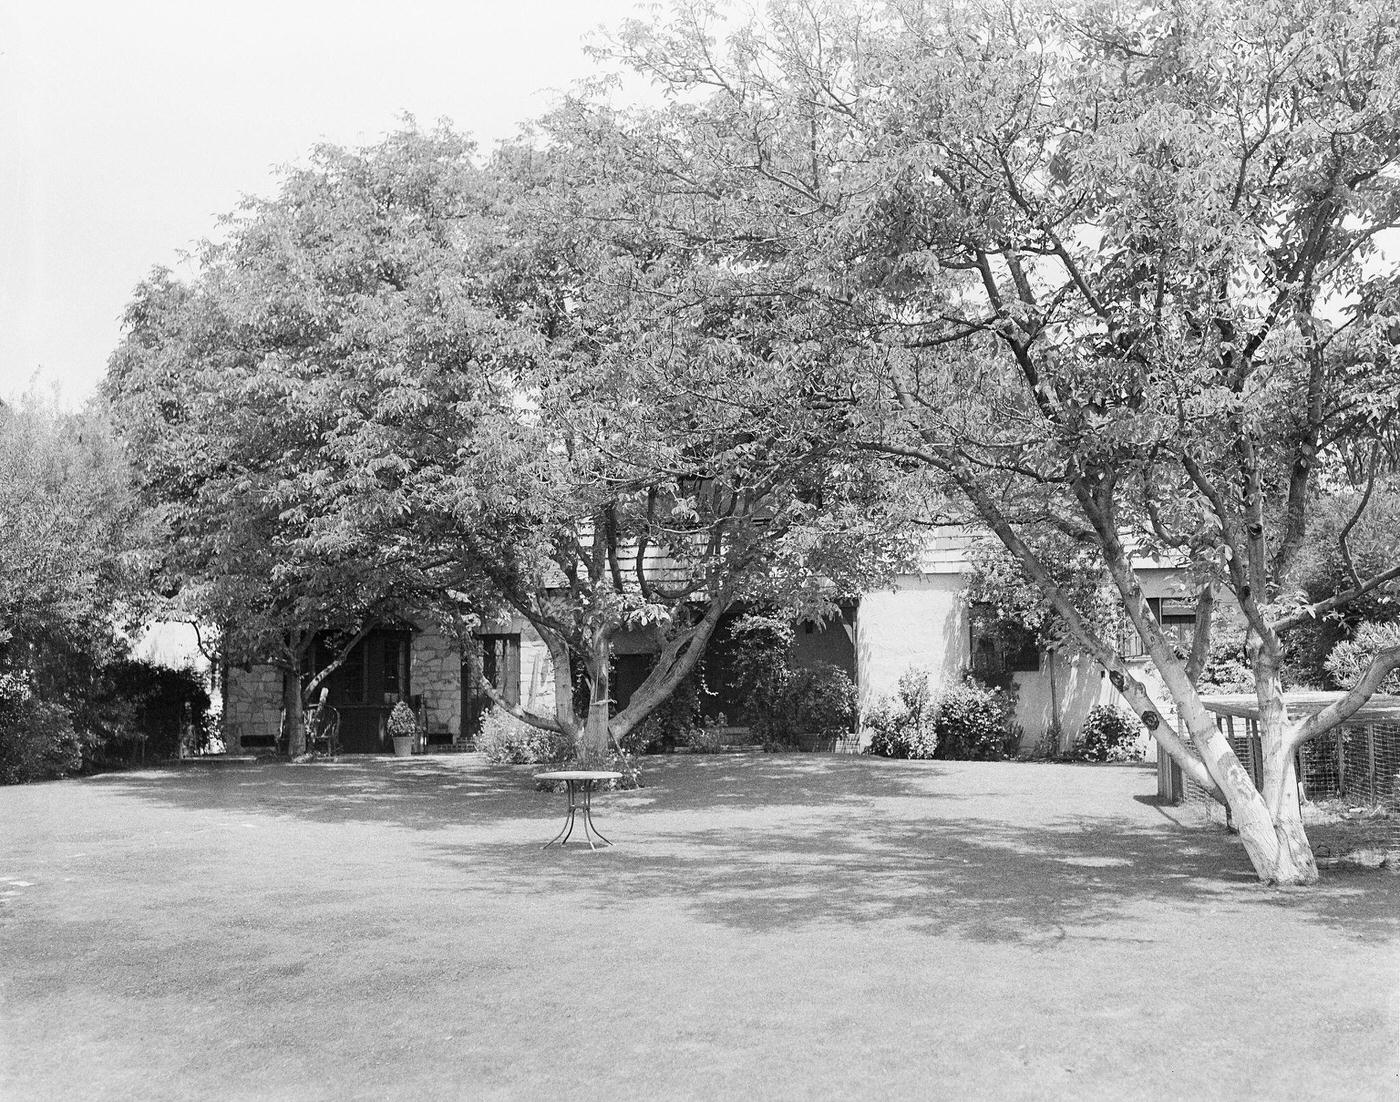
[(780, 842), (982, 880), (428, 793)]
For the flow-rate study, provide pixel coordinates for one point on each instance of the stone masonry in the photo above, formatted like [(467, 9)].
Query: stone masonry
[(252, 705), (435, 674)]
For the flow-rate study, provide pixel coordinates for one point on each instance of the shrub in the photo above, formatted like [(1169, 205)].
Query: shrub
[(780, 703), (760, 662), (506, 740), (1350, 659), (136, 702), (817, 699), (704, 740), (966, 722), (974, 722), (620, 761), (1227, 668), (1108, 734), (676, 721), (902, 726), (37, 740)]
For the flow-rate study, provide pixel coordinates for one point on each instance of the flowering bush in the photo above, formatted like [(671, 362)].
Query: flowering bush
[(1108, 734), (620, 761), (975, 723), (968, 722), (402, 722), (902, 726), (506, 740)]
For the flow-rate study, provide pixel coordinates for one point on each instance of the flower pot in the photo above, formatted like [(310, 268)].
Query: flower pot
[(403, 746)]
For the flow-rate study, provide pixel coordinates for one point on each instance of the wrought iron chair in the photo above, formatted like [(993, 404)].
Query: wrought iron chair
[(323, 731)]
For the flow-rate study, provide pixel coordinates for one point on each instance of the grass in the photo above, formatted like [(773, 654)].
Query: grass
[(784, 926)]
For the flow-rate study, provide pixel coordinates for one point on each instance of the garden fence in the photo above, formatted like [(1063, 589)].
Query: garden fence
[(1349, 792)]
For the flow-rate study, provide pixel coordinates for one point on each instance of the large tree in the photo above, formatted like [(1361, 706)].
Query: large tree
[(233, 391), (1105, 274), (408, 374), (615, 448)]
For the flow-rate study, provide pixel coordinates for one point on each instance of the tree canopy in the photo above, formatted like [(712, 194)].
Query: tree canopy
[(409, 378), (1106, 275), (1114, 284)]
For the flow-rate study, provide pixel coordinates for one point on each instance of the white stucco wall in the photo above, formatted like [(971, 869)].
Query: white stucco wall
[(922, 623), (1067, 685)]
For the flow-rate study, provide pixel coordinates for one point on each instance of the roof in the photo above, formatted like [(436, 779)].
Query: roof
[(1379, 709), (948, 549)]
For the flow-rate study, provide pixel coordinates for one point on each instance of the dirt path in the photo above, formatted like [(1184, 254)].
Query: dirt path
[(767, 927)]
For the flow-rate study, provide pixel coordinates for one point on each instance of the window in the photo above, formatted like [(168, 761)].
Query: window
[(500, 664), (1178, 620), (1001, 646), (395, 668)]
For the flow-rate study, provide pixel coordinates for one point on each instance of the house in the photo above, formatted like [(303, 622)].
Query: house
[(924, 620)]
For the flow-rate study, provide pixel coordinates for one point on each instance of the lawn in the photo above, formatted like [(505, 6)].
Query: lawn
[(767, 926)]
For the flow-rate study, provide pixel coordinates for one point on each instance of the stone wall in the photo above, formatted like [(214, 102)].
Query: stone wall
[(252, 705), (435, 674)]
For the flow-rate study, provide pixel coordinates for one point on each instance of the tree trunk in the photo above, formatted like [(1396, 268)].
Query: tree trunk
[(292, 711), (593, 740), (1294, 863), (676, 660), (1278, 850)]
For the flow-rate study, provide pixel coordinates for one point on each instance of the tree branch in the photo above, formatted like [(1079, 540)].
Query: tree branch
[(1302, 616)]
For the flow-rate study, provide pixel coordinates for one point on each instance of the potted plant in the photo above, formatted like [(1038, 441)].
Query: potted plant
[(403, 729)]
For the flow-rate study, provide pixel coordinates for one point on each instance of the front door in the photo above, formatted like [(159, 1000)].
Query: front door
[(366, 686)]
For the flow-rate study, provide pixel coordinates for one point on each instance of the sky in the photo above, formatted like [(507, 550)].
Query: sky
[(127, 128)]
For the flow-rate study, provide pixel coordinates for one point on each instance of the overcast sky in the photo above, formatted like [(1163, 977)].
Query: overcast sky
[(127, 127)]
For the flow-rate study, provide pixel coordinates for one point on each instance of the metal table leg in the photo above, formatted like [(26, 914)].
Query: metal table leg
[(588, 816), (587, 808), (563, 836)]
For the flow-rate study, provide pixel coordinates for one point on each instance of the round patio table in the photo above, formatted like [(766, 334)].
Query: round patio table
[(579, 780)]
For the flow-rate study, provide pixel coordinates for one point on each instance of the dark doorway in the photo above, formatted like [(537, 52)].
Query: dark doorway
[(366, 686), (626, 677)]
